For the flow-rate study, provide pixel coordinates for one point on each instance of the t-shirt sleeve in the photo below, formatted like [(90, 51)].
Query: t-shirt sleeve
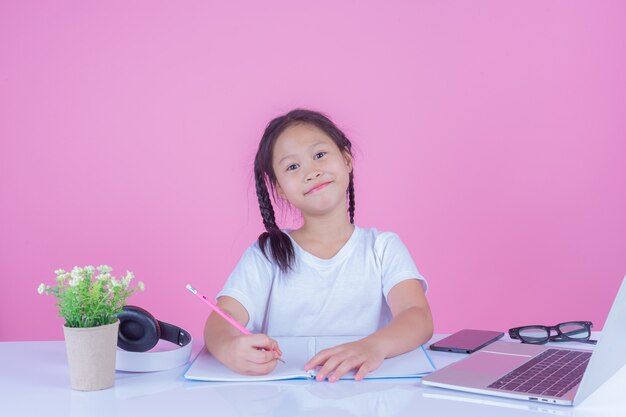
[(397, 263), (250, 284)]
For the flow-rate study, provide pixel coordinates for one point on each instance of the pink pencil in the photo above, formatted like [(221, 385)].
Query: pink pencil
[(221, 312)]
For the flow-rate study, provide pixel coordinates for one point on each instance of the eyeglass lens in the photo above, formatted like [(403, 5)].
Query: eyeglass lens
[(540, 334), (534, 334), (574, 330)]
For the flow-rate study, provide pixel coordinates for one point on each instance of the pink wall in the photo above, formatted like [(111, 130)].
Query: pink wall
[(491, 136)]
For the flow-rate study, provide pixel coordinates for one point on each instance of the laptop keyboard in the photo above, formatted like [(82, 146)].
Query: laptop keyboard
[(552, 373)]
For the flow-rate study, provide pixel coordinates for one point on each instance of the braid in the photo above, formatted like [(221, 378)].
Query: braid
[(265, 205), (281, 248), (351, 198)]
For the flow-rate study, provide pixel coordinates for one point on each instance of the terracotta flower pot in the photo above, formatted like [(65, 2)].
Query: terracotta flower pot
[(91, 356)]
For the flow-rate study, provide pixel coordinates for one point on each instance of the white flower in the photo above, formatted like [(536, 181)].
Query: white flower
[(104, 269), (77, 274), (115, 283), (59, 272), (90, 269), (41, 288), (126, 280), (104, 277), (141, 286)]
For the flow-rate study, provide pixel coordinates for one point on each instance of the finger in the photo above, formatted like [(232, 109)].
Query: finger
[(367, 367), (260, 356), (319, 359), (276, 348), (329, 366), (274, 344), (261, 341), (364, 369), (343, 368)]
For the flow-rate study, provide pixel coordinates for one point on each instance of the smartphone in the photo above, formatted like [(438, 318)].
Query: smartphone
[(466, 341)]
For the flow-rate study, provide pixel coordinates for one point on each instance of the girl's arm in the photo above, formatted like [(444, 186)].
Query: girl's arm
[(411, 326), (254, 354)]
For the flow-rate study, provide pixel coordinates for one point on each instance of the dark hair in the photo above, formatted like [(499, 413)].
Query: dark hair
[(282, 250)]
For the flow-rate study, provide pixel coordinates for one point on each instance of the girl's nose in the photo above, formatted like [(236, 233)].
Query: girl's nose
[(313, 175)]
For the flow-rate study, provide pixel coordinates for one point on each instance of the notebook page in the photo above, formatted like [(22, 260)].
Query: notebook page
[(413, 364), (295, 354)]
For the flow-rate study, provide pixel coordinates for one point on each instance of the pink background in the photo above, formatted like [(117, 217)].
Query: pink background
[(490, 135)]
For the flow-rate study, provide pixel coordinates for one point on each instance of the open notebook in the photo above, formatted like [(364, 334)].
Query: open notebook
[(298, 350)]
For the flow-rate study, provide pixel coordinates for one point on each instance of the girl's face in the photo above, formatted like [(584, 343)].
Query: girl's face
[(312, 173)]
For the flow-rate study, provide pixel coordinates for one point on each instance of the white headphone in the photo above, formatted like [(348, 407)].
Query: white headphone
[(139, 332)]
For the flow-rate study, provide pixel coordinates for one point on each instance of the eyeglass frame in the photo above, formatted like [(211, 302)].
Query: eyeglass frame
[(514, 333)]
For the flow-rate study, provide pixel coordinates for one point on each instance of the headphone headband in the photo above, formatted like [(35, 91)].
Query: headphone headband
[(174, 334)]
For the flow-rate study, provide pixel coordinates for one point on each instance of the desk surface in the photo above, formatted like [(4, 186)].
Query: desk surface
[(34, 380)]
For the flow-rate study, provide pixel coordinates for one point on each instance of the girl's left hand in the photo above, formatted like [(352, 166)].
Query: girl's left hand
[(361, 355)]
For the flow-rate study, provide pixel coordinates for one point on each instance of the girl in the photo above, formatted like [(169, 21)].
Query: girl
[(329, 277)]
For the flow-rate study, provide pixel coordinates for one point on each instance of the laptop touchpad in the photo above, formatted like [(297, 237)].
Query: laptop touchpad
[(496, 362), (481, 368)]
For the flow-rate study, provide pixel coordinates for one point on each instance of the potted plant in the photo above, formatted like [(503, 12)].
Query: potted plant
[(90, 299)]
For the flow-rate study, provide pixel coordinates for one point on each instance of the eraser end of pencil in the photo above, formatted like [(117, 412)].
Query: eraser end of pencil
[(190, 288)]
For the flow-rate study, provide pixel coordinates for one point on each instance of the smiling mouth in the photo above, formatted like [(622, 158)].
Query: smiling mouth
[(317, 188)]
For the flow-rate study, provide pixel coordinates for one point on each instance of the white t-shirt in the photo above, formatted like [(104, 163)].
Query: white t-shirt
[(344, 295)]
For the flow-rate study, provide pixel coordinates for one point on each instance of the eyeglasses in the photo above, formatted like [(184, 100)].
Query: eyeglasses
[(571, 331)]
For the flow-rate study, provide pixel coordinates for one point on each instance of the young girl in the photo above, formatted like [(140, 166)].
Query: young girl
[(329, 277)]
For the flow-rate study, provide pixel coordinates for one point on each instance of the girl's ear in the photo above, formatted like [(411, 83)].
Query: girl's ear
[(348, 159), (280, 191)]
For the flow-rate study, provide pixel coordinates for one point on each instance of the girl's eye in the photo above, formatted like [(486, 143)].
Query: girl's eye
[(292, 167), (319, 155)]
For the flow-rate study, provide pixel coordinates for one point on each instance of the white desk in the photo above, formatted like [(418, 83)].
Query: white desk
[(34, 380)]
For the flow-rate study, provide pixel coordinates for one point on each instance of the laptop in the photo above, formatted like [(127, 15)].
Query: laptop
[(514, 370)]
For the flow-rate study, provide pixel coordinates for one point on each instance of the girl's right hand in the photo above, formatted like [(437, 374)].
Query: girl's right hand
[(255, 354)]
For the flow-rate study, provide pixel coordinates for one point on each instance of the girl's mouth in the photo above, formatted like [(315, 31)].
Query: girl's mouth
[(317, 188)]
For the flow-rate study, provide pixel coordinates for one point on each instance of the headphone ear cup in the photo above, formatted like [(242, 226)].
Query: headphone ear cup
[(139, 330)]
